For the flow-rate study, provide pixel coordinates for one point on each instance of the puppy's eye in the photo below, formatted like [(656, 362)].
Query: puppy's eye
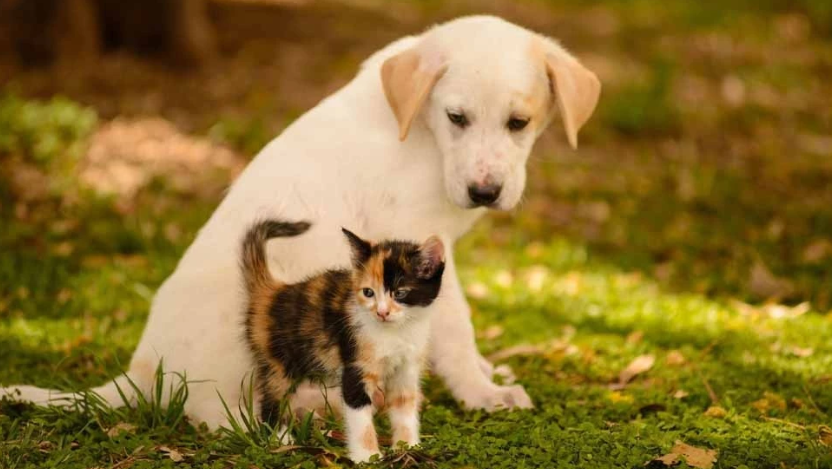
[(399, 294), (458, 119), (368, 292), (516, 124)]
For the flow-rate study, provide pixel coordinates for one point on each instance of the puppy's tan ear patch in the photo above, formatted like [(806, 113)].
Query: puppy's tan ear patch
[(408, 79), (577, 90)]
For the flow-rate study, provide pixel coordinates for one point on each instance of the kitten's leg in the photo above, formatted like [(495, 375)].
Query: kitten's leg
[(273, 388), (402, 399), (362, 441)]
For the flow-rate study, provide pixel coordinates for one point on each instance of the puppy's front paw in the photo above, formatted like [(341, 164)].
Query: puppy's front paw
[(490, 371), (494, 398)]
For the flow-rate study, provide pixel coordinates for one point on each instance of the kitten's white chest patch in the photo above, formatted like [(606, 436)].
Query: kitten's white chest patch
[(401, 345)]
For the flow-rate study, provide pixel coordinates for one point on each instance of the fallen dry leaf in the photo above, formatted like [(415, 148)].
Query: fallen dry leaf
[(764, 283), (776, 311), (675, 358), (716, 412), (491, 333), (635, 337), (772, 310), (769, 401), (636, 367), (63, 249), (817, 251), (173, 454), (733, 90), (693, 456), (825, 435), (801, 351), (64, 295), (522, 349), (680, 394), (120, 428)]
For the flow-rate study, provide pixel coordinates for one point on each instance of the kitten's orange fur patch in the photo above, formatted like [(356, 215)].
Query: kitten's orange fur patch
[(260, 325), (403, 401), (395, 308), (378, 399), (369, 440), (277, 384), (375, 269)]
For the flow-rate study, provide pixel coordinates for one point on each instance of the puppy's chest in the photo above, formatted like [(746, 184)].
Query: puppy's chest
[(409, 213)]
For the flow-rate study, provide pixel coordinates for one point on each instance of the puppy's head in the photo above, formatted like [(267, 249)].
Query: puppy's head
[(486, 89)]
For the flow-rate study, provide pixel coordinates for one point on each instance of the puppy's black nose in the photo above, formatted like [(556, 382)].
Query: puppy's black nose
[(485, 194)]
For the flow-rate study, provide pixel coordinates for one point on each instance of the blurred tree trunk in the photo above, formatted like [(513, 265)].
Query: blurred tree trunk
[(76, 32), (192, 31)]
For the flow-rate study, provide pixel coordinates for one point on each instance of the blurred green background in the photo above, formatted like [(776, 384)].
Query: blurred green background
[(695, 219)]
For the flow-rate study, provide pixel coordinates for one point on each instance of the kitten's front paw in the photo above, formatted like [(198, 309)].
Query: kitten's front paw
[(492, 398), (407, 436), (359, 455)]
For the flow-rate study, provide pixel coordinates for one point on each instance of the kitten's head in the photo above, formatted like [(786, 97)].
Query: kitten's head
[(393, 278)]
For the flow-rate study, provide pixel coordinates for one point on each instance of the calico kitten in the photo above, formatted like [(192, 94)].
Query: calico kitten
[(364, 328)]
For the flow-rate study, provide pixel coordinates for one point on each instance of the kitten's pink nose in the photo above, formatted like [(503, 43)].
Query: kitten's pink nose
[(383, 315)]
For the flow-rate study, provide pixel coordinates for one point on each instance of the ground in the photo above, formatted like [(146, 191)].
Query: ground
[(669, 281)]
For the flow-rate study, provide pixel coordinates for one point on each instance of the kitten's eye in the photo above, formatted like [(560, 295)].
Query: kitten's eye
[(516, 124), (399, 294), (368, 292), (458, 119)]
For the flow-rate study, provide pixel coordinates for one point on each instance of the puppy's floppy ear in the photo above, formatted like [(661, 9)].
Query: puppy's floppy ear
[(359, 248), (577, 89), (408, 79), (431, 258)]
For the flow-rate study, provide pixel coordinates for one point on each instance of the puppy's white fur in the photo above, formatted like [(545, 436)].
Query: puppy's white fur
[(343, 164)]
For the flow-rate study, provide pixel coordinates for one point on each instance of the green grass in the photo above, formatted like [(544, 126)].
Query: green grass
[(534, 291), (641, 244)]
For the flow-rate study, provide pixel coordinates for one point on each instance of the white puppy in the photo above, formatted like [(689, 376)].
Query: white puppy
[(432, 131)]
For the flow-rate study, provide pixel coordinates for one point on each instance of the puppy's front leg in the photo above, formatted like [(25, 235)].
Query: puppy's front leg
[(454, 354), (362, 441)]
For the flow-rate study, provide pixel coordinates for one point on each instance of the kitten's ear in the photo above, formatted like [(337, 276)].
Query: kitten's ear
[(359, 248), (431, 258)]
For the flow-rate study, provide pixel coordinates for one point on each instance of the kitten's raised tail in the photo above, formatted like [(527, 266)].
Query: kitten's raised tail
[(254, 265)]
